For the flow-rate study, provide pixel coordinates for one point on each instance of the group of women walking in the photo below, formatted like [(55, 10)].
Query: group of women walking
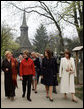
[(33, 65)]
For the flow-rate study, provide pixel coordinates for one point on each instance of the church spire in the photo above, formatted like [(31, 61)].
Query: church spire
[(24, 24)]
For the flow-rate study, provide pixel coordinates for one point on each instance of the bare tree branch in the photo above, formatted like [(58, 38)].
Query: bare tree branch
[(65, 2), (48, 14), (31, 11)]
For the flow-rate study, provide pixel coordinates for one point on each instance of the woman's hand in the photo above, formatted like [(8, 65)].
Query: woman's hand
[(21, 78), (41, 77), (67, 70), (6, 69), (34, 77), (71, 72)]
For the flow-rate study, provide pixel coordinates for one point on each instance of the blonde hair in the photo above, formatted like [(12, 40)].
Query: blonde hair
[(26, 52), (34, 54), (7, 52), (38, 54)]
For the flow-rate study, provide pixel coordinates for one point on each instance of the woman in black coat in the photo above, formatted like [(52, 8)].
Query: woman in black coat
[(48, 70), (10, 72)]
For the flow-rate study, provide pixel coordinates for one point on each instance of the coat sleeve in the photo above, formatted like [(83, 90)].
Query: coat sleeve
[(33, 69), (56, 66), (3, 66), (74, 67), (21, 69), (60, 69), (43, 67), (16, 63)]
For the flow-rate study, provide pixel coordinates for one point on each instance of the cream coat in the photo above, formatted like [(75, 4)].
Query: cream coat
[(67, 80)]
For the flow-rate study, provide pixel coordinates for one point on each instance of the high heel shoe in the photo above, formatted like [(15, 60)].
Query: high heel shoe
[(50, 99), (47, 96), (23, 95), (36, 92), (74, 100), (29, 99), (33, 89)]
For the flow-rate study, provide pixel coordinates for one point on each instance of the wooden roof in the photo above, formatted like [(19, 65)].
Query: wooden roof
[(78, 48)]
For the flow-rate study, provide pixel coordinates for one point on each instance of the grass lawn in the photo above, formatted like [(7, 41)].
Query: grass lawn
[(79, 92)]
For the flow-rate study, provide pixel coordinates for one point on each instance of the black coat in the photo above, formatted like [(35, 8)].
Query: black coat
[(37, 65), (49, 71), (8, 82)]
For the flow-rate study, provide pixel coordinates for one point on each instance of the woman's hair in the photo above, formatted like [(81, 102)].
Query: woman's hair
[(38, 54), (34, 54), (26, 52), (52, 53), (7, 52), (49, 53), (67, 52)]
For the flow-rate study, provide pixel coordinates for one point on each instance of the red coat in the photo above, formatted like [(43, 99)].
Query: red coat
[(27, 67)]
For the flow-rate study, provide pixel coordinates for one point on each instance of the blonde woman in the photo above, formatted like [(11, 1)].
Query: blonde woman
[(67, 73), (37, 69), (9, 68)]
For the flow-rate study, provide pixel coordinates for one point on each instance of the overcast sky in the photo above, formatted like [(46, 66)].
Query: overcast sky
[(13, 17)]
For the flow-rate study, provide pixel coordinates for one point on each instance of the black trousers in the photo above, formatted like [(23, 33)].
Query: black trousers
[(27, 80), (38, 78)]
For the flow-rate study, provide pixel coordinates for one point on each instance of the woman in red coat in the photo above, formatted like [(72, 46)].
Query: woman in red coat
[(27, 70)]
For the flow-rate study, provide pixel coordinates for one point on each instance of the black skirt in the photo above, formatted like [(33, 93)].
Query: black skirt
[(9, 86)]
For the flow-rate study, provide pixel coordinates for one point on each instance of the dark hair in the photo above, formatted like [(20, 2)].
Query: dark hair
[(49, 53), (67, 52), (21, 53), (52, 53)]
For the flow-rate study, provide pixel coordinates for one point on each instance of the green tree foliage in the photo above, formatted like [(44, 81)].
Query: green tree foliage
[(71, 43), (41, 39), (73, 14), (7, 42)]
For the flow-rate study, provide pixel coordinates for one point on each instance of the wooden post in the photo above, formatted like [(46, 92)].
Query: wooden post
[(77, 80)]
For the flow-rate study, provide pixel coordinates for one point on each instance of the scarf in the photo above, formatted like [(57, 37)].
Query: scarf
[(14, 65)]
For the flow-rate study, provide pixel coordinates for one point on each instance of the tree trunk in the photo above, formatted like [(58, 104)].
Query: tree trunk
[(80, 34), (61, 38)]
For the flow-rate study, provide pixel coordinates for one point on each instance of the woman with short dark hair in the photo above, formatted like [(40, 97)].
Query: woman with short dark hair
[(27, 70)]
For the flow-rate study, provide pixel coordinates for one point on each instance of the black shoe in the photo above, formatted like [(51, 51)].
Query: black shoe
[(55, 92), (47, 96), (23, 95), (33, 89), (36, 92), (29, 99), (51, 99), (12, 98), (8, 97)]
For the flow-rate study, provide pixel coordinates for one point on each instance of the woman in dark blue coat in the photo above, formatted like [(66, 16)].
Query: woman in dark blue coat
[(48, 71)]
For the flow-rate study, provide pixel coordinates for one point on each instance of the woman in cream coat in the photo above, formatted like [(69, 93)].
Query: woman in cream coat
[(67, 73)]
